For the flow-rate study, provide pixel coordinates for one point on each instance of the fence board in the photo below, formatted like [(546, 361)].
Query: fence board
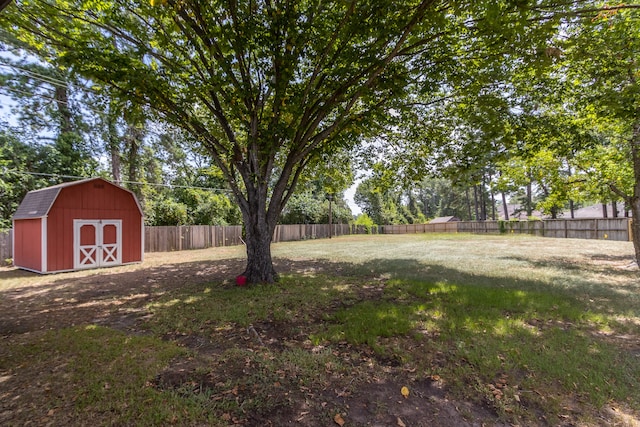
[(556, 228), (614, 229)]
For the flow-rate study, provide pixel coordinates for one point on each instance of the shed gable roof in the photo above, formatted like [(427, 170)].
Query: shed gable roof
[(37, 203)]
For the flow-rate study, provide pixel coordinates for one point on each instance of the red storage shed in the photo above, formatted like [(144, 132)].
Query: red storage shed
[(82, 224)]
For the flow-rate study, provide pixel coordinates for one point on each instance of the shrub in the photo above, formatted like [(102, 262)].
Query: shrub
[(365, 221)]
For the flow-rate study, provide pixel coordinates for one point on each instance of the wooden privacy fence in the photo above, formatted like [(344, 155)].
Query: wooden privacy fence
[(604, 228), (443, 227), (607, 229), (293, 232), (178, 238)]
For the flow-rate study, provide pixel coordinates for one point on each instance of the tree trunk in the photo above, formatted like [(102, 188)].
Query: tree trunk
[(614, 209), (493, 204), (133, 157), (505, 207), (65, 116), (259, 234), (113, 145), (635, 225), (529, 200), (475, 202), (571, 207), (604, 211), (133, 137), (483, 200), (114, 154), (259, 215), (635, 199), (330, 216)]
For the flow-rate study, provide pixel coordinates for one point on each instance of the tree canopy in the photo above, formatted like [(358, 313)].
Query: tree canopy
[(268, 87)]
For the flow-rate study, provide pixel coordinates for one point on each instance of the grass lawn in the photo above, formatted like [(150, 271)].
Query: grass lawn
[(493, 330)]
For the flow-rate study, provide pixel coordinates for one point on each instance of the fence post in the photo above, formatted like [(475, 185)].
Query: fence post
[(6, 245)]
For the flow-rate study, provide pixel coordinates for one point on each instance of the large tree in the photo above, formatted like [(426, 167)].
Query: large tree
[(267, 86), (603, 78)]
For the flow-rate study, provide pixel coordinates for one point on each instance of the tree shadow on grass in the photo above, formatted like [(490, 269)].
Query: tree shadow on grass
[(64, 300), (616, 295), (608, 281), (507, 331), (498, 333), (474, 306), (600, 263)]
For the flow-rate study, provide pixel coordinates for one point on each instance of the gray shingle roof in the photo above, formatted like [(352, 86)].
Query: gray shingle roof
[(442, 219), (36, 204)]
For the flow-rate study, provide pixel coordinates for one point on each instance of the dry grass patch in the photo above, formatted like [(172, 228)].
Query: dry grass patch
[(489, 329)]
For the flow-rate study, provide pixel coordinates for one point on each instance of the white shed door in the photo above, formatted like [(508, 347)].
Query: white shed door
[(97, 243)]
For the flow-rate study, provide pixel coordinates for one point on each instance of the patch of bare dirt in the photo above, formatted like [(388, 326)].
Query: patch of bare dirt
[(118, 299), (374, 400), (377, 402)]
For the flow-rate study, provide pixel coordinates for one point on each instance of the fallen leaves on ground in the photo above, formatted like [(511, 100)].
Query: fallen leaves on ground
[(405, 392)]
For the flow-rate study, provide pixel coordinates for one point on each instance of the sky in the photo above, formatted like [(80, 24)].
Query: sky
[(348, 195), (5, 101), (5, 110)]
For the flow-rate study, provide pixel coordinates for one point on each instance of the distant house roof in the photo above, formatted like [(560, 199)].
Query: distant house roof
[(442, 219), (595, 211)]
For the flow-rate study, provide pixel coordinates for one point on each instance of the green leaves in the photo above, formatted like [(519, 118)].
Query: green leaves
[(268, 88)]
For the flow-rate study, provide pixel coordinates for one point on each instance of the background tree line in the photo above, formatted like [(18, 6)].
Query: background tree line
[(560, 161), (63, 131), (450, 105)]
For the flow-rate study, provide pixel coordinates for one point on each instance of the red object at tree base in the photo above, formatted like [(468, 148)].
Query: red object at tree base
[(241, 280)]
